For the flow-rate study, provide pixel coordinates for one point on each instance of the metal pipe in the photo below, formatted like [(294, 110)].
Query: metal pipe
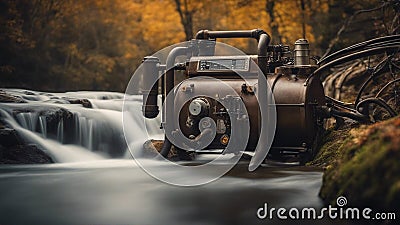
[(263, 43), (386, 86), (206, 34), (261, 150), (356, 55), (166, 147), (346, 58), (261, 36), (357, 47), (149, 88), (379, 102), (378, 69), (355, 116), (169, 87)]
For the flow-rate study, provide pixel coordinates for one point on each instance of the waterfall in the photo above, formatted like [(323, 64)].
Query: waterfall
[(60, 131), (43, 126), (27, 120), (71, 132)]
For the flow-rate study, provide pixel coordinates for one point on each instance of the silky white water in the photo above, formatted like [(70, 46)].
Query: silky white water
[(79, 133), (96, 182)]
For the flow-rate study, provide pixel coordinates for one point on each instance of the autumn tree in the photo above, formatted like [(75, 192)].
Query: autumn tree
[(270, 9), (97, 44), (186, 12)]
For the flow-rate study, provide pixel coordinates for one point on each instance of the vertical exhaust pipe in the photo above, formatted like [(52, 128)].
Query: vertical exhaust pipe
[(169, 88), (149, 90)]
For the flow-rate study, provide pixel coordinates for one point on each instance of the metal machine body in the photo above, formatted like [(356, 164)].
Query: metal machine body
[(296, 104), (298, 98)]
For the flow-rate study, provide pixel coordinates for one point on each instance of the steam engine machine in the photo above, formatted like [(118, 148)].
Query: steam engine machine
[(297, 97)]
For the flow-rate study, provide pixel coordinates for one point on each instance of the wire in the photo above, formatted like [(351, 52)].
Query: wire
[(377, 101), (386, 86)]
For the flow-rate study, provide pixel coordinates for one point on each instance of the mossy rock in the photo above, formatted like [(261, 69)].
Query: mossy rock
[(363, 165), (331, 143)]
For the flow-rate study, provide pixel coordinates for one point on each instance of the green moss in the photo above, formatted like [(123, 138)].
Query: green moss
[(332, 141), (366, 168)]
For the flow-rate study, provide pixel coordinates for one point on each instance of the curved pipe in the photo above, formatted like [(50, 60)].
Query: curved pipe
[(195, 142), (357, 47), (340, 104), (261, 151), (206, 34), (350, 57), (378, 68), (263, 43), (261, 36), (150, 89), (379, 102), (354, 116), (166, 147), (169, 78), (386, 86), (356, 55)]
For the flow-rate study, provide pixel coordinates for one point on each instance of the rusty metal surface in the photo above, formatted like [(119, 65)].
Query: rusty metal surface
[(295, 105)]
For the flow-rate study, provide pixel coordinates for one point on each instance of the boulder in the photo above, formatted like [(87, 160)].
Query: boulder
[(84, 102), (364, 166), (23, 154)]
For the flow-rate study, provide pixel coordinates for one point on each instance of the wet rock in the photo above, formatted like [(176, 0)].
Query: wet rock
[(55, 114), (365, 166), (9, 137), (153, 147), (52, 115), (28, 92), (7, 98), (13, 150), (23, 154), (84, 102)]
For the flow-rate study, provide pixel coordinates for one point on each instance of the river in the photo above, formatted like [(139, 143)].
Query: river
[(94, 180)]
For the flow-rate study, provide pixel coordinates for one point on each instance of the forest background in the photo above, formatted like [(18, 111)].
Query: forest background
[(61, 45)]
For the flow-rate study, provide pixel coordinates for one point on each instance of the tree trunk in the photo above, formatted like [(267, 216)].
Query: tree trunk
[(269, 7), (186, 16)]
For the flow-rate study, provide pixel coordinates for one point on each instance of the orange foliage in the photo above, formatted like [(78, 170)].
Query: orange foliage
[(96, 44)]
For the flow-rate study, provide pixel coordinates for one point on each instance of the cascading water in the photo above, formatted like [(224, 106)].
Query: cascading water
[(71, 132), (99, 191)]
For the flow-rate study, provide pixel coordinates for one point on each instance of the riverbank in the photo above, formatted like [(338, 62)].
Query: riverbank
[(361, 162)]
